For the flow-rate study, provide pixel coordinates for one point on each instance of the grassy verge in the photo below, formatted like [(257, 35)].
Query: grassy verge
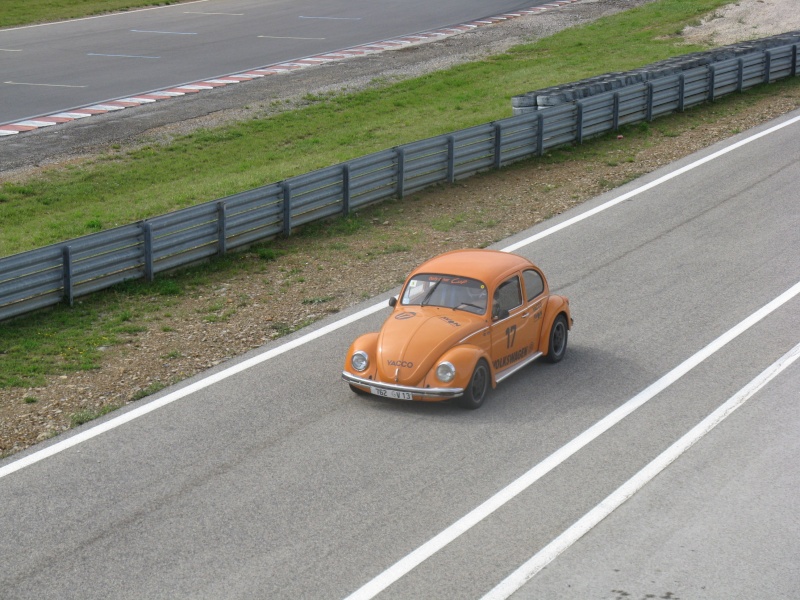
[(26, 12), (123, 186)]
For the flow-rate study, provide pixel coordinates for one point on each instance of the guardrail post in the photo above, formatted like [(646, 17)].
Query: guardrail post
[(579, 123), (740, 80), (345, 189), (540, 133), (712, 81), (616, 111), (648, 116), (66, 257), (794, 60), (451, 158), (498, 144), (222, 228), (681, 91), (287, 209), (147, 230), (401, 171), (767, 65)]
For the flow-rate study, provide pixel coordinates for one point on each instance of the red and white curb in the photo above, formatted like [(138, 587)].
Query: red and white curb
[(10, 129)]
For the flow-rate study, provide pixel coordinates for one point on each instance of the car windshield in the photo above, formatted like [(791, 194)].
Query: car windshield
[(448, 291)]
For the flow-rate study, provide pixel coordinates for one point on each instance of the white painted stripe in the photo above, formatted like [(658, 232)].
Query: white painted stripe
[(648, 186), (32, 123), (43, 84), (116, 14), (164, 32), (465, 523), (108, 107), (281, 37), (71, 115), (550, 552), (333, 18), (8, 132), (137, 99), (122, 55), (188, 390), (189, 12)]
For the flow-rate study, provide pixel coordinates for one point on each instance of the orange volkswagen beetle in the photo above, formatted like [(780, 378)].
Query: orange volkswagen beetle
[(464, 321)]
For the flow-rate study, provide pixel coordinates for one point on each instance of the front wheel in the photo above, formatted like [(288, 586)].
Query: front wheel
[(478, 387), (558, 339)]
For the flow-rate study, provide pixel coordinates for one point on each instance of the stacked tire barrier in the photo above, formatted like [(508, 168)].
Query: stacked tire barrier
[(745, 62), (567, 114)]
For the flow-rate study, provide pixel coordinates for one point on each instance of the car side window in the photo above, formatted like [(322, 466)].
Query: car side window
[(509, 295), (534, 285)]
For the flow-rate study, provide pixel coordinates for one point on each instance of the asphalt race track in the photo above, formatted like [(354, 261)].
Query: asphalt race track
[(268, 478), (57, 66)]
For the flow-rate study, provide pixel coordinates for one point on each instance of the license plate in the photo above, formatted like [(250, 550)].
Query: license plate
[(390, 393)]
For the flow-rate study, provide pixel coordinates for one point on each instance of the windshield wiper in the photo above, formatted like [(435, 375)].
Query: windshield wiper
[(475, 306), (430, 293)]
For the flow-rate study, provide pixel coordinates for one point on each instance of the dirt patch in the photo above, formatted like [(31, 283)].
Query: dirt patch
[(746, 20)]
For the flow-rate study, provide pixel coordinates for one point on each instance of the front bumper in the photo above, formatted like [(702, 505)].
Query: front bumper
[(441, 393)]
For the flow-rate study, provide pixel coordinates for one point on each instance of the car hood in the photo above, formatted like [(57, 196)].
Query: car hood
[(411, 341)]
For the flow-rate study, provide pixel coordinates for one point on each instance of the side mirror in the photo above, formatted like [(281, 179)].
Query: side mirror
[(393, 301)]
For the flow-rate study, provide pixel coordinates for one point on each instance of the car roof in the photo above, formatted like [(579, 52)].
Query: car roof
[(484, 265)]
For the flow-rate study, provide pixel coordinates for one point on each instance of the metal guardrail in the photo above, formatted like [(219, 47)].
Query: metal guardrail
[(62, 272), (751, 52)]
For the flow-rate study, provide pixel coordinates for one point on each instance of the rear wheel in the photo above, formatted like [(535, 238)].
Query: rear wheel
[(478, 387), (558, 339)]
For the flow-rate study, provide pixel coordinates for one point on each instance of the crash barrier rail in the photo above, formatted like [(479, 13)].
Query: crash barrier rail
[(67, 270), (742, 60)]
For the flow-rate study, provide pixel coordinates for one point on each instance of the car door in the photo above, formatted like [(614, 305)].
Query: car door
[(513, 329), (535, 299)]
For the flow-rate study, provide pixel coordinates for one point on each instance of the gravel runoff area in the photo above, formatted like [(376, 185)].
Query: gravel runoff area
[(240, 312)]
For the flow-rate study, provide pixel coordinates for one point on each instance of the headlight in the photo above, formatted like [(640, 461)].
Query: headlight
[(360, 361), (445, 372)]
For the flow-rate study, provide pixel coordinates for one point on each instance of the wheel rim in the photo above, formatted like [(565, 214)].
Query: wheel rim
[(559, 335), (479, 381)]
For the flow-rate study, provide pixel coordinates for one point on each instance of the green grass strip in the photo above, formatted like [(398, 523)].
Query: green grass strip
[(14, 13), (123, 187)]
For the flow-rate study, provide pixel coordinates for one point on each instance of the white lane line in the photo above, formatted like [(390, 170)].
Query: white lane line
[(9, 50), (269, 354), (164, 32), (333, 18), (403, 566), (120, 55), (648, 186), (550, 552), (280, 37), (106, 16), (190, 12), (188, 390), (43, 84)]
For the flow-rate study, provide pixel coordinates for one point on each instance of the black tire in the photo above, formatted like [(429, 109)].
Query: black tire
[(478, 387), (358, 390), (559, 332)]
